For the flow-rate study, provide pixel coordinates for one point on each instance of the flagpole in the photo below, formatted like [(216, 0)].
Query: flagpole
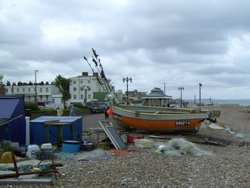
[(200, 85)]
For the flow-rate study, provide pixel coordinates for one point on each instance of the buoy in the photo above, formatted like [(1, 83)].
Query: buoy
[(109, 111), (35, 169), (6, 157)]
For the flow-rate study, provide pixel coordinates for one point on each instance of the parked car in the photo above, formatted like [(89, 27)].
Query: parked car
[(97, 107)]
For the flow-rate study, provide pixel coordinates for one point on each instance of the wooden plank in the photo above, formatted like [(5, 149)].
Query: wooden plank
[(23, 180), (105, 126), (113, 135)]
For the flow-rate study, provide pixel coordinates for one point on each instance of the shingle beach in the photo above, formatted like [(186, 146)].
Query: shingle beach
[(225, 166)]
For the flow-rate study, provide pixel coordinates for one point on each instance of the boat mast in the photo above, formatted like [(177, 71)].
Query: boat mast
[(104, 81)]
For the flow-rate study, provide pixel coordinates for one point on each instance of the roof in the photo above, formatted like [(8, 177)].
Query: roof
[(157, 93)]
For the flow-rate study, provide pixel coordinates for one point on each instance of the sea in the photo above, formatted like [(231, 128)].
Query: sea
[(241, 102)]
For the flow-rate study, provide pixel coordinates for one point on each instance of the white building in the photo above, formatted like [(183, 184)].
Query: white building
[(46, 94), (82, 88), (56, 101)]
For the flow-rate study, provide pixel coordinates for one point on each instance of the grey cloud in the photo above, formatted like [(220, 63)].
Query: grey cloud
[(177, 42)]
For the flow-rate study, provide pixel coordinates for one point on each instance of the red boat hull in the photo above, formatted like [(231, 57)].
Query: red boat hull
[(158, 122)]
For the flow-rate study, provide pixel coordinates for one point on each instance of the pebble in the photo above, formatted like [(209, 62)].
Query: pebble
[(228, 166)]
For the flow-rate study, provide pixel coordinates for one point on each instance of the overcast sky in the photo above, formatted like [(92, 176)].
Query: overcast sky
[(177, 42)]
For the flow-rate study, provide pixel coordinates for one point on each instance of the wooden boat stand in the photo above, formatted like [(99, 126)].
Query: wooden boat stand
[(17, 174)]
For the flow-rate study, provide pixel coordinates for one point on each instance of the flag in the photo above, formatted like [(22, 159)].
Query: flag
[(93, 59), (94, 52)]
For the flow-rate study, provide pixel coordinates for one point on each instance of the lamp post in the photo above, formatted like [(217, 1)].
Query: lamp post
[(200, 85), (127, 79), (181, 88), (164, 88), (35, 87), (86, 88)]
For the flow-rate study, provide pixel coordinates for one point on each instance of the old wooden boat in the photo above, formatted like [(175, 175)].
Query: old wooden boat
[(162, 119), (149, 118)]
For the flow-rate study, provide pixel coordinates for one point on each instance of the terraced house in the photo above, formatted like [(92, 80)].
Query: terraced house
[(44, 93)]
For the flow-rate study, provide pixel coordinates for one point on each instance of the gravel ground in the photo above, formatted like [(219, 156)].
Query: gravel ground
[(228, 166)]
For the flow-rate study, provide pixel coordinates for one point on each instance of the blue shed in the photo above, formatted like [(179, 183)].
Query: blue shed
[(38, 132), (12, 119)]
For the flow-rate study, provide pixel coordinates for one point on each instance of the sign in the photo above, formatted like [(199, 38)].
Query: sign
[(182, 123)]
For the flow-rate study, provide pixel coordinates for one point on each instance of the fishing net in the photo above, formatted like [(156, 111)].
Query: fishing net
[(181, 147)]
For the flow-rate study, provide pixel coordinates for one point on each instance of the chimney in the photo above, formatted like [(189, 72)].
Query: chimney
[(84, 73), (95, 74)]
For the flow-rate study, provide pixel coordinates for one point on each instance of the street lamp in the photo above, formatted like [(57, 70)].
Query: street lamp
[(164, 88), (86, 88), (127, 79), (200, 85), (35, 87), (181, 88)]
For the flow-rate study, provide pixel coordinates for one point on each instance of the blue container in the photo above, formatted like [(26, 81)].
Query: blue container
[(70, 146), (37, 130)]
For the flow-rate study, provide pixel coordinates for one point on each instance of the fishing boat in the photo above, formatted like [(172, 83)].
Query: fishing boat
[(151, 118), (162, 119)]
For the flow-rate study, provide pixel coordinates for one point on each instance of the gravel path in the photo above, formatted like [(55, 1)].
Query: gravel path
[(228, 166), (91, 121)]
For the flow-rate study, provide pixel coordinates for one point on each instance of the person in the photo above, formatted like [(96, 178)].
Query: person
[(72, 110), (59, 111), (106, 114)]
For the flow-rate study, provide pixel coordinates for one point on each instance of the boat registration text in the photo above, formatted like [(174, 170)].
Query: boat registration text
[(182, 123)]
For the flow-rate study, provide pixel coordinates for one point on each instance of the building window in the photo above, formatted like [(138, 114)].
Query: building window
[(24, 89), (74, 96), (41, 89), (6, 90), (81, 96), (74, 89), (17, 90), (74, 82), (29, 89), (47, 89), (81, 88), (89, 96)]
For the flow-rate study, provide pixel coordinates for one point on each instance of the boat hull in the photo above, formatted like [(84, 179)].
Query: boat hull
[(158, 122)]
